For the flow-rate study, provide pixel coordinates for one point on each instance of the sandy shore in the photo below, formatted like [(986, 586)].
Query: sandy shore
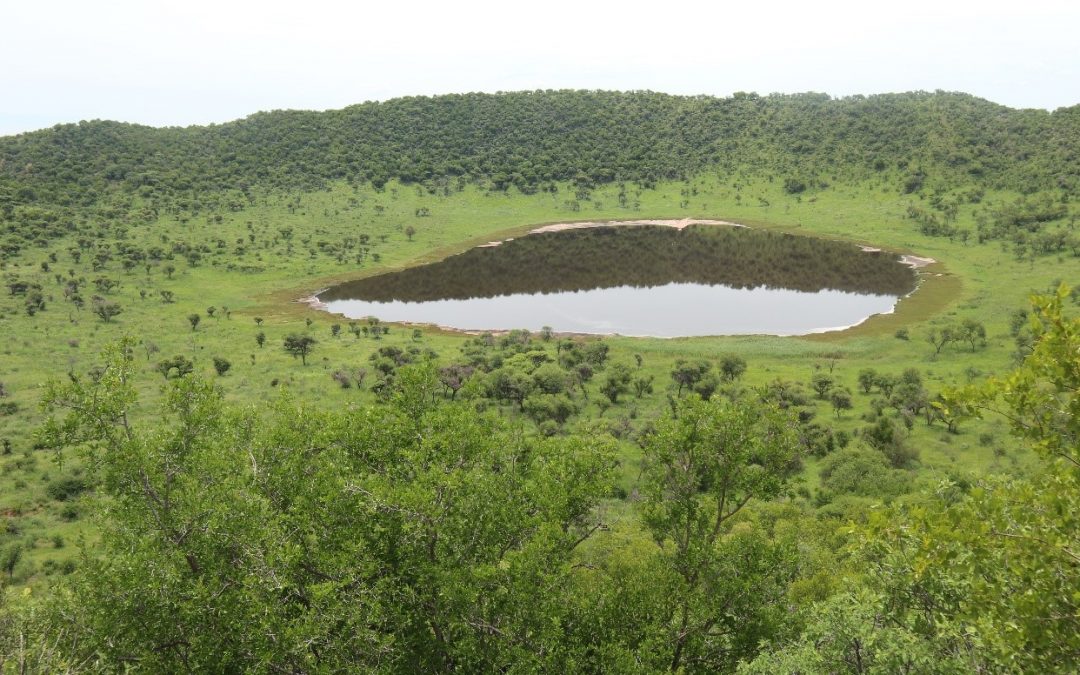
[(677, 224), (313, 300), (916, 261)]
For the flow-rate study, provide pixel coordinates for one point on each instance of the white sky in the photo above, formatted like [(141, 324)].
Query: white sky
[(181, 62)]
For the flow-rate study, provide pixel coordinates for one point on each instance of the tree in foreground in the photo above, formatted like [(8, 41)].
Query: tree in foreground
[(706, 584), (702, 468), (984, 577), (416, 536)]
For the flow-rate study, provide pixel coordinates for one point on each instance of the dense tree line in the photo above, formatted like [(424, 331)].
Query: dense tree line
[(51, 179)]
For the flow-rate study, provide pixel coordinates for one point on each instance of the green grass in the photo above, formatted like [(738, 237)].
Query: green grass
[(981, 282)]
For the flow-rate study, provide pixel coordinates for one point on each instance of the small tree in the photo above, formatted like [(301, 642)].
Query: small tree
[(941, 337), (210, 311), (707, 386), (972, 332), (181, 364), (359, 374), (886, 384), (616, 382), (11, 557), (105, 284), (35, 302), (260, 339), (299, 345), (822, 383), (687, 374), (643, 385), (410, 232), (840, 399), (106, 309), (221, 366), (454, 377), (867, 379), (732, 367), (194, 320), (335, 330)]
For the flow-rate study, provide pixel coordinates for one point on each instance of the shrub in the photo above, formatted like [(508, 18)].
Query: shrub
[(66, 488), (221, 366)]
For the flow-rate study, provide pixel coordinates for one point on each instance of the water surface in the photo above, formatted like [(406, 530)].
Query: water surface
[(642, 281)]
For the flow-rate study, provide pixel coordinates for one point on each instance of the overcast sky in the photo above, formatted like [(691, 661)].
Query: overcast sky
[(184, 62)]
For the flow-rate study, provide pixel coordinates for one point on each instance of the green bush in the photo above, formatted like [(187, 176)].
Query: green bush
[(66, 488)]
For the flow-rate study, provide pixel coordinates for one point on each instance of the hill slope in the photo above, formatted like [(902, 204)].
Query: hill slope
[(531, 139)]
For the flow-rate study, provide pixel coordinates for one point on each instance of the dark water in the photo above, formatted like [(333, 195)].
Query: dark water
[(646, 280)]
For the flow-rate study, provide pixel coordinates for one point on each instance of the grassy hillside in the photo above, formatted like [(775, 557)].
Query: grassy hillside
[(269, 278), (56, 180)]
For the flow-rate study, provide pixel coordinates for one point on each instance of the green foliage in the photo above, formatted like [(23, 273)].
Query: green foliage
[(840, 400), (643, 385), (179, 364), (10, 557), (982, 577), (822, 384), (417, 536), (886, 437), (862, 472), (969, 331), (106, 310), (617, 379), (556, 408), (299, 345), (529, 140), (703, 465), (221, 365), (68, 487), (732, 367), (550, 378), (868, 379), (846, 634), (688, 374)]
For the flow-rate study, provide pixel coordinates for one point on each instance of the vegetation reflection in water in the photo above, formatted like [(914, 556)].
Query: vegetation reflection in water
[(644, 280)]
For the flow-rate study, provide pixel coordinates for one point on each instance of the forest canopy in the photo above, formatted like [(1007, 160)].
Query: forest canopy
[(530, 140)]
